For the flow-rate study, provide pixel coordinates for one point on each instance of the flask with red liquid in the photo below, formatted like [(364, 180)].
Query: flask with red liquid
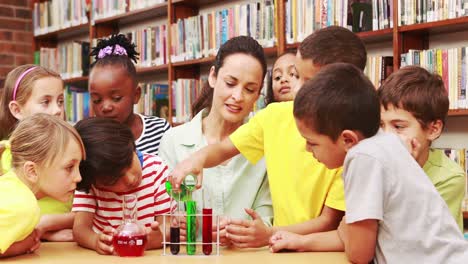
[(130, 238)]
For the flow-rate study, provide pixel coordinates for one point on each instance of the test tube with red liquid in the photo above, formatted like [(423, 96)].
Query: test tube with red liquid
[(207, 230)]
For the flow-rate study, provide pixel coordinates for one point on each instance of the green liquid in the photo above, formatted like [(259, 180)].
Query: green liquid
[(191, 227)]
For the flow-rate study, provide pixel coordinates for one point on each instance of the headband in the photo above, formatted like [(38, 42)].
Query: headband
[(19, 80), (108, 50)]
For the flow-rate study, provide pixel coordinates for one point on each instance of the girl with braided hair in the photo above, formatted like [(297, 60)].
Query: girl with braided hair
[(114, 90)]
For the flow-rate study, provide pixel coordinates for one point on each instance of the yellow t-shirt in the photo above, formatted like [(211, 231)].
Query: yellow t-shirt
[(299, 184), (47, 204), (19, 212)]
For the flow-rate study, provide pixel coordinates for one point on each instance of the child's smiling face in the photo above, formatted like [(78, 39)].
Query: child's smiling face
[(113, 93)]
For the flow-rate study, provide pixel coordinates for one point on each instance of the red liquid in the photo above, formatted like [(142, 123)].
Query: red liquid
[(129, 246), (207, 230)]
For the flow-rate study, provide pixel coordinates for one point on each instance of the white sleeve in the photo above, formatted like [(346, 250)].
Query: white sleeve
[(364, 188)]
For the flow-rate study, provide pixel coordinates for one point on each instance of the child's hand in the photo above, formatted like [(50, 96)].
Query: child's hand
[(188, 166), (248, 233), (223, 240), (104, 242), (33, 241), (413, 146), (283, 240), (28, 245), (64, 235), (154, 236)]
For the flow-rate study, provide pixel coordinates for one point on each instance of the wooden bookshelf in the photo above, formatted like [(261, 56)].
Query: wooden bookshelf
[(76, 80), (407, 37), (64, 33), (376, 35), (153, 69), (444, 26), (465, 215), (458, 112), (367, 37), (142, 14)]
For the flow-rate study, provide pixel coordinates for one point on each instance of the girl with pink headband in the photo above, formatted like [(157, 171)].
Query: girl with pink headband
[(31, 89)]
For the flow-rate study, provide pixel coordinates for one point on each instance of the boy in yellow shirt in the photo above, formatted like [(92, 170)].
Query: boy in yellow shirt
[(307, 197), (414, 104)]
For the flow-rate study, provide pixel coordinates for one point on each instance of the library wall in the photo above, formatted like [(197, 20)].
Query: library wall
[(16, 35)]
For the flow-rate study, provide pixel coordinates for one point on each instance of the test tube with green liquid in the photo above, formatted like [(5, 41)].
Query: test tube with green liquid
[(191, 207)]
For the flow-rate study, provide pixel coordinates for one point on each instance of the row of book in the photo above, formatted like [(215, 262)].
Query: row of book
[(305, 16), (450, 64), (101, 9), (201, 36), (378, 68), (184, 93), (421, 11), (70, 59), (151, 43), (77, 103), (154, 100), (53, 15)]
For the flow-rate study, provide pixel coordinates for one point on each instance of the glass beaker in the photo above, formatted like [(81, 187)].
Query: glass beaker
[(130, 239)]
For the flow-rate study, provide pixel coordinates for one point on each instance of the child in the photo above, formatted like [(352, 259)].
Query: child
[(31, 89), (415, 104), (113, 168), (393, 212), (114, 90), (46, 153), (283, 79), (238, 187), (307, 197)]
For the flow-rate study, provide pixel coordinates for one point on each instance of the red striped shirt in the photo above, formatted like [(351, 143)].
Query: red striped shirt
[(153, 199)]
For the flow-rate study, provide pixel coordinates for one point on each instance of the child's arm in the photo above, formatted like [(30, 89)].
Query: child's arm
[(207, 157), (360, 239), (50, 227), (27, 245), (86, 237), (324, 241), (328, 220), (246, 233)]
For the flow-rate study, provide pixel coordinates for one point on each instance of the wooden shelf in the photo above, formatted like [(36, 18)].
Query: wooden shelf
[(64, 33), (270, 51), (376, 35), (195, 3), (443, 26), (158, 10), (458, 112), (367, 37), (76, 80), (201, 61), (152, 69), (465, 215)]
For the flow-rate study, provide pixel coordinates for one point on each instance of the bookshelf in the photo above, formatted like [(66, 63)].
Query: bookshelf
[(402, 38)]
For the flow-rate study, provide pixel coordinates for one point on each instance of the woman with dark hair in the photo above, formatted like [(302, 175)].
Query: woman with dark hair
[(238, 189)]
